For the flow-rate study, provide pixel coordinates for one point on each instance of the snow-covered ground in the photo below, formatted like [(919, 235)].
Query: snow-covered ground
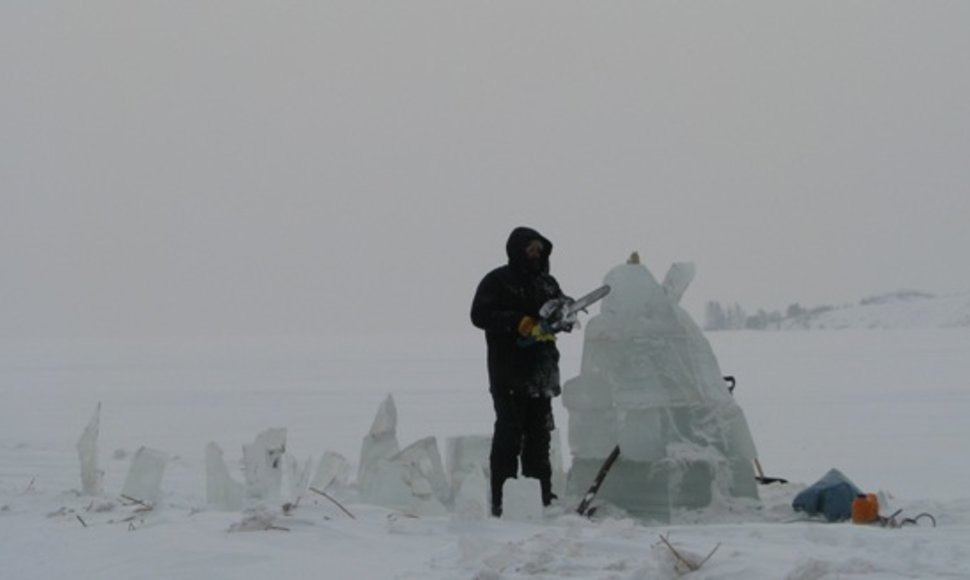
[(888, 408)]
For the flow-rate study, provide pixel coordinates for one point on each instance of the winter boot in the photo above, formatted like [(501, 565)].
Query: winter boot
[(497, 497), (545, 484)]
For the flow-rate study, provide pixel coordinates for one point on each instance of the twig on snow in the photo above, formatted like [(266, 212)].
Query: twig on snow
[(135, 500), (258, 521), (692, 566), (80, 519), (145, 506), (915, 521), (708, 557), (337, 503), (892, 522)]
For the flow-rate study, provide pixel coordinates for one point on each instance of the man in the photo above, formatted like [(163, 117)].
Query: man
[(523, 361)]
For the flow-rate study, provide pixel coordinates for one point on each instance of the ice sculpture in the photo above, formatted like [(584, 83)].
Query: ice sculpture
[(650, 383)]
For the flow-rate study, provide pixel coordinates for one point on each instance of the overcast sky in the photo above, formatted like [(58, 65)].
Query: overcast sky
[(237, 167)]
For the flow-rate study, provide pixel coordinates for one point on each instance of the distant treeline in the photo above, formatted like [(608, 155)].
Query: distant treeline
[(719, 316), (734, 317)]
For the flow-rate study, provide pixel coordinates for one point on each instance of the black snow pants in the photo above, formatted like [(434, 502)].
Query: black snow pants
[(522, 429)]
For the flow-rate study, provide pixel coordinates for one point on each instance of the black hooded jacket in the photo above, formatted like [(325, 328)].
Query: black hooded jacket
[(504, 296)]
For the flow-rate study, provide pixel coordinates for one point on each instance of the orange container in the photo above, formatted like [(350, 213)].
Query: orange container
[(865, 508)]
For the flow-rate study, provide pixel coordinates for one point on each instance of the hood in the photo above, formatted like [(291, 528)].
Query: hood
[(518, 240)]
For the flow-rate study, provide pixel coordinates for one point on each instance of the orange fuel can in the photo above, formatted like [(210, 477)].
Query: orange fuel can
[(865, 508)]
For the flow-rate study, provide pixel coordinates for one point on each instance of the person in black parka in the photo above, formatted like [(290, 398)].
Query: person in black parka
[(523, 361)]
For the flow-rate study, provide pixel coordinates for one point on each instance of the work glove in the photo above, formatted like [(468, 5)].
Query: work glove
[(536, 330)]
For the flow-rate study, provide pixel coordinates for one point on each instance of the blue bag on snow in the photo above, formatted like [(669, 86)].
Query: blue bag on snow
[(830, 496)]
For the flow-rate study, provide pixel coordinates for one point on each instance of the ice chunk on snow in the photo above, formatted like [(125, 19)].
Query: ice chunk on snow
[(297, 476), (464, 455), (425, 460), (221, 490), (522, 500), (471, 498), (399, 486), (263, 464), (87, 450), (380, 442), (412, 480), (144, 481), (332, 470), (386, 486)]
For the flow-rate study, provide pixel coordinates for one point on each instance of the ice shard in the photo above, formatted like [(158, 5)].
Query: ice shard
[(221, 490), (464, 455), (412, 480), (380, 443), (263, 464), (144, 480), (87, 450), (297, 476), (471, 498), (333, 470)]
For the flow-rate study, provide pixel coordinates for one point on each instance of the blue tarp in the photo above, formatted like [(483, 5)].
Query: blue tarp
[(830, 496)]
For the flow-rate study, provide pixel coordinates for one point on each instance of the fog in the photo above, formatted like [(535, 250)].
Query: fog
[(259, 168)]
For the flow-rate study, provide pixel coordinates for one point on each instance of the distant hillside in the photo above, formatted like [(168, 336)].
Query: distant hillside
[(895, 310), (903, 309)]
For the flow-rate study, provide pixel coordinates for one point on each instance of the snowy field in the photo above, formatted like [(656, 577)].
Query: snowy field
[(888, 408)]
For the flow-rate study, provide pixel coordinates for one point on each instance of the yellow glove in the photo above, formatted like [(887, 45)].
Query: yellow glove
[(531, 328)]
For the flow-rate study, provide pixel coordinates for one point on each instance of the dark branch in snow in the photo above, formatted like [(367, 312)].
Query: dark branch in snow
[(144, 505), (691, 566), (337, 503)]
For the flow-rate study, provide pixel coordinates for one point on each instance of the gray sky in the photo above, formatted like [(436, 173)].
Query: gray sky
[(313, 167)]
